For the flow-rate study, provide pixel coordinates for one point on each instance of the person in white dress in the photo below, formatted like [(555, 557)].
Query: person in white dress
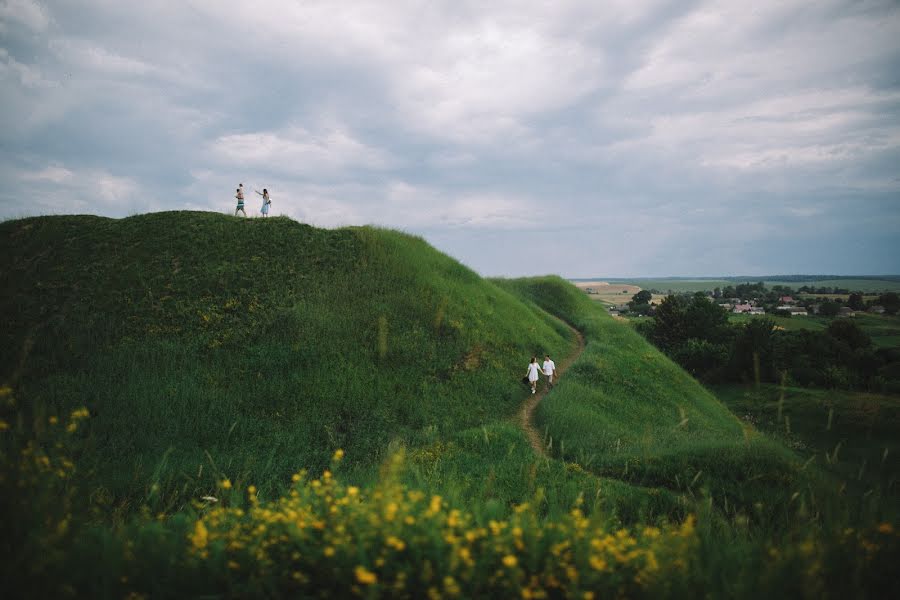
[(533, 372), (266, 202), (549, 368)]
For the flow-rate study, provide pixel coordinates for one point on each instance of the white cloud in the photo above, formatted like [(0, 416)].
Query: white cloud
[(299, 152), (25, 12)]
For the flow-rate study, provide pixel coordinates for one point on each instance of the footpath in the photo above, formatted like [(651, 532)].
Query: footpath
[(526, 415)]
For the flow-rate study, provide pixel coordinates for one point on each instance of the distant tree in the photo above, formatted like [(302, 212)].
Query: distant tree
[(669, 322), (829, 308), (855, 301), (890, 302), (752, 357), (705, 320), (850, 333), (717, 292), (642, 297)]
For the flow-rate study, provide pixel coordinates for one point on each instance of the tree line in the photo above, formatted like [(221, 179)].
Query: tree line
[(695, 332)]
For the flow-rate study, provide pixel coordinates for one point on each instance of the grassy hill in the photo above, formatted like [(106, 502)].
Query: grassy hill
[(228, 357), (207, 346)]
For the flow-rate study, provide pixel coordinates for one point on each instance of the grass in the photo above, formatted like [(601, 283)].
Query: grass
[(206, 345), (229, 358), (625, 411), (851, 435)]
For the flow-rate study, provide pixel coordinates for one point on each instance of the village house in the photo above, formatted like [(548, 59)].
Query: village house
[(741, 308), (876, 309), (787, 300), (757, 310), (846, 311)]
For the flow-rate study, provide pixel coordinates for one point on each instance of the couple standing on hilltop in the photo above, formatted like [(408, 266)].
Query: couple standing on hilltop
[(240, 201), (549, 370)]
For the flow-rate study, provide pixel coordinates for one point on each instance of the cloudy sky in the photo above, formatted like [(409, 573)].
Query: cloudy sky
[(615, 138)]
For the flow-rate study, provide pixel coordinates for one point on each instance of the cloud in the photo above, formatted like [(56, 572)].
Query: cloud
[(23, 12), (297, 151), (617, 138)]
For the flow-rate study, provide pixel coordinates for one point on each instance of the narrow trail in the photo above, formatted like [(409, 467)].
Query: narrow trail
[(526, 415)]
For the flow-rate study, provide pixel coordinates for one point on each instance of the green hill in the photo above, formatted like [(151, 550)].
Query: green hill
[(257, 346), (224, 356)]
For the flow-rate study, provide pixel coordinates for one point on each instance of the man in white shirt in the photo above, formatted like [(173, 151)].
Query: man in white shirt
[(549, 368)]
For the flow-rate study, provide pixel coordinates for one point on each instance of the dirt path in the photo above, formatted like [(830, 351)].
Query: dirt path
[(526, 415)]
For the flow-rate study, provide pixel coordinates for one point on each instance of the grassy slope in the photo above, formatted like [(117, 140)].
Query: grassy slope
[(208, 346), (625, 411), (853, 435)]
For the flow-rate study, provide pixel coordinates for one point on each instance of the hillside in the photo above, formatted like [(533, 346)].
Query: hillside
[(208, 346), (278, 410)]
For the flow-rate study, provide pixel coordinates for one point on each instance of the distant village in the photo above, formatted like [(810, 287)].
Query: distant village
[(782, 301)]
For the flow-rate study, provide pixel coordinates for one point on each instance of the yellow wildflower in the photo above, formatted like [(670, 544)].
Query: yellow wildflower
[(886, 528), (233, 564), (598, 563), (510, 561), (53, 420), (200, 536), (225, 484), (329, 551), (364, 576), (3, 425), (338, 455), (352, 491)]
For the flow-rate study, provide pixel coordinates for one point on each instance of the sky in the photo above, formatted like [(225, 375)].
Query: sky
[(621, 138)]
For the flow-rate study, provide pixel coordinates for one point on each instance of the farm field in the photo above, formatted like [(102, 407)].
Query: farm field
[(175, 422), (615, 294)]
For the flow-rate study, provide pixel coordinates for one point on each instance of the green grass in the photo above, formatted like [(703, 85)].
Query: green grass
[(627, 412), (851, 435), (208, 348)]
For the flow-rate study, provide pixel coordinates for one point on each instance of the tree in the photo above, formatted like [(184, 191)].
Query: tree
[(642, 297), (669, 320), (849, 333), (855, 301), (890, 302), (829, 308)]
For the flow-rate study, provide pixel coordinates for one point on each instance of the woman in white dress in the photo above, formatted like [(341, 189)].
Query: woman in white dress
[(266, 202), (533, 371)]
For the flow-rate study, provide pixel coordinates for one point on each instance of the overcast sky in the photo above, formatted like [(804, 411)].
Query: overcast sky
[(614, 138)]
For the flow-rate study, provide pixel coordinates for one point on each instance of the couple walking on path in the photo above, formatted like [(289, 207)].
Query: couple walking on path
[(240, 201), (548, 369)]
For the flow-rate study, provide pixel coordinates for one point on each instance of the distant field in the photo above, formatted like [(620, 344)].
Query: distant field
[(700, 285), (612, 293), (855, 285)]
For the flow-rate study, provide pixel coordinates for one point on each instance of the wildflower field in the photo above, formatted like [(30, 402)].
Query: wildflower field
[(186, 415)]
